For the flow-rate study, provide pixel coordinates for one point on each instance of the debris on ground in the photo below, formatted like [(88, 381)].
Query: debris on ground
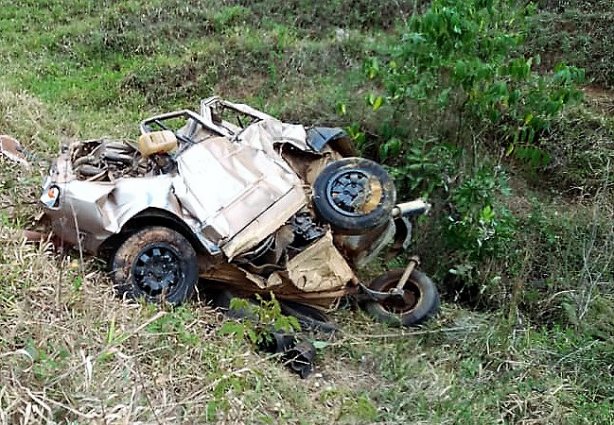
[(12, 149)]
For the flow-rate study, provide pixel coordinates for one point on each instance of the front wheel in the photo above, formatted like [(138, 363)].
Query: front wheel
[(419, 303), (155, 263)]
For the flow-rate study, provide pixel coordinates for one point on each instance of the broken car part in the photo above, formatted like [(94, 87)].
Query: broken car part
[(156, 263), (418, 302), (354, 195), (235, 198), (300, 358), (411, 208)]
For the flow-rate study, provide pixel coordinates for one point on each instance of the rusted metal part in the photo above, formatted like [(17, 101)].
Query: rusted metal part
[(367, 293), (318, 269), (104, 160), (414, 261), (361, 249)]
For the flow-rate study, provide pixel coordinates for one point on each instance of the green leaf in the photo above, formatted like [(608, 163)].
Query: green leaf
[(394, 147), (341, 109), (487, 214), (252, 335), (528, 118), (377, 103), (383, 152), (232, 328)]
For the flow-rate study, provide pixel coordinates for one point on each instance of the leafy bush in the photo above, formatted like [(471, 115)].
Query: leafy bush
[(260, 320), (421, 167), (465, 56), (480, 225), (461, 66)]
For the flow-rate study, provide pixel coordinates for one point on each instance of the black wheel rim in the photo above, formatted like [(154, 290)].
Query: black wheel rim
[(157, 269), (348, 191)]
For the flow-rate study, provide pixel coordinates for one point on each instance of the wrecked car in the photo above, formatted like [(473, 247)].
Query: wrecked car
[(235, 199)]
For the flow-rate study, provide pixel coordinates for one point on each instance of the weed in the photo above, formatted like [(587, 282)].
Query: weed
[(260, 320)]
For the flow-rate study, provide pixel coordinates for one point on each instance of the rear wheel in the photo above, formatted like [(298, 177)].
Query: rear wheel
[(155, 263), (419, 302)]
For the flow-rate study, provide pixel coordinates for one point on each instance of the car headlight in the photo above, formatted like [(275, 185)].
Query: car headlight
[(51, 197)]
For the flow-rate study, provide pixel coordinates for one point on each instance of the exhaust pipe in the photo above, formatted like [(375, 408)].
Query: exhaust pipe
[(411, 208)]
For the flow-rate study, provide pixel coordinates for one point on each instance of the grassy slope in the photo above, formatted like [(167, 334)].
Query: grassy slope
[(70, 352)]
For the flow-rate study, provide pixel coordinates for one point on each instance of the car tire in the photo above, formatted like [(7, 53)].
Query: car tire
[(155, 263), (354, 195), (420, 304)]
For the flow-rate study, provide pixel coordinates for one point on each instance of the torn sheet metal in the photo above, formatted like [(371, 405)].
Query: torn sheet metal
[(236, 277), (320, 267), (236, 192), (264, 135), (12, 149)]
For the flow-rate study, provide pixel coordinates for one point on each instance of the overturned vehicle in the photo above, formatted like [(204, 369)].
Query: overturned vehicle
[(237, 200)]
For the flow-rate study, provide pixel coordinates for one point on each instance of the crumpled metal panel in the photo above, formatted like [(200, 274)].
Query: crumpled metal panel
[(268, 222), (227, 186), (265, 134), (92, 211), (320, 267), (130, 196)]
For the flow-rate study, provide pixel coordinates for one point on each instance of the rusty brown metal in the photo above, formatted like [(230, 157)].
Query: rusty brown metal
[(414, 261)]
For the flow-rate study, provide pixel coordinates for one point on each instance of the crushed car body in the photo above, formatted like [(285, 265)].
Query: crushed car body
[(235, 198)]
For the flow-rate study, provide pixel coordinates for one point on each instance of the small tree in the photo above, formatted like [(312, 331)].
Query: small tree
[(461, 65), (466, 58)]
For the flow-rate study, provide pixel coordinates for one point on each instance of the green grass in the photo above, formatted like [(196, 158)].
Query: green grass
[(70, 352)]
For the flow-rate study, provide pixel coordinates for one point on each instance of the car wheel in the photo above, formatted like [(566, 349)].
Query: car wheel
[(155, 263), (354, 195), (419, 303)]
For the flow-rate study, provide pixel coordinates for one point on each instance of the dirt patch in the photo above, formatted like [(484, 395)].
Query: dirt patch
[(599, 98)]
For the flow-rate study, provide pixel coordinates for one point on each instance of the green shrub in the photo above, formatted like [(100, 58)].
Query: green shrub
[(260, 320), (461, 65), (480, 224), (464, 57)]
